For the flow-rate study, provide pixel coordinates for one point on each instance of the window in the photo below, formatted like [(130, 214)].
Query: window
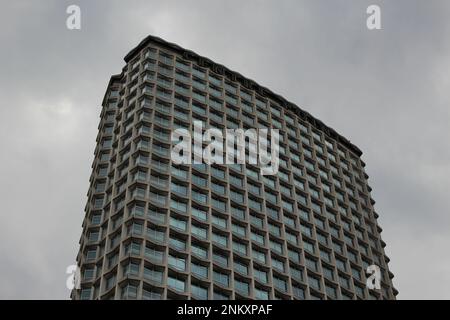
[(154, 255), (134, 248), (254, 188), (257, 221), (177, 243), (220, 239), (240, 267), (276, 230), (236, 180), (240, 248), (157, 216), (311, 263), (200, 214), (238, 212), (219, 204), (261, 294), (178, 205), (131, 269), (156, 234), (292, 238), (340, 264), (241, 287), (314, 282), (220, 296), (199, 251), (331, 291), (325, 255), (221, 278), (345, 282), (254, 204), (306, 230), (237, 196), (261, 275), (259, 256), (277, 264), (298, 292), (257, 238), (107, 143), (239, 230), (178, 188), (177, 262), (271, 197), (220, 259), (96, 218), (178, 223), (294, 255), (199, 180), (328, 273), (98, 203), (280, 284), (137, 210), (91, 254), (275, 246), (218, 188), (218, 221), (199, 270), (176, 284), (150, 295), (179, 172), (356, 273), (296, 273), (219, 173), (309, 247), (199, 232), (88, 274), (110, 282), (93, 236), (86, 294), (199, 291)]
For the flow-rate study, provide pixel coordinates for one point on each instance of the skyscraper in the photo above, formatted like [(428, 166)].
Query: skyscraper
[(157, 230)]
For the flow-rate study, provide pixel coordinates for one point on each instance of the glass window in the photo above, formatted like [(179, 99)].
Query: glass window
[(220, 239), (221, 278), (86, 293), (177, 262), (242, 287), (259, 256), (261, 276), (199, 291), (176, 284), (199, 270), (152, 274), (261, 294), (199, 251)]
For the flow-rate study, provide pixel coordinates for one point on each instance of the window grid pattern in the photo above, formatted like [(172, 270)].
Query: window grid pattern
[(154, 230)]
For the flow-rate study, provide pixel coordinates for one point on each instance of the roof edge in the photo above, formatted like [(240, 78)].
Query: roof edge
[(112, 79), (246, 82)]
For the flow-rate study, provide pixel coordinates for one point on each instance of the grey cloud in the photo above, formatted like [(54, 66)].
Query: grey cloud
[(387, 91)]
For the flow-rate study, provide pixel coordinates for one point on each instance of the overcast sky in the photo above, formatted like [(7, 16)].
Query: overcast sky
[(385, 90)]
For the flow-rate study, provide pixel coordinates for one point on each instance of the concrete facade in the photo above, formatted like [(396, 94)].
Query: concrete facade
[(155, 230)]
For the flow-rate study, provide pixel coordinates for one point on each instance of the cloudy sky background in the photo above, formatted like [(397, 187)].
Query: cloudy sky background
[(387, 91)]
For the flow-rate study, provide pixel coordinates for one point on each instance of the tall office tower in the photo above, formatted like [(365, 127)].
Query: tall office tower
[(157, 230)]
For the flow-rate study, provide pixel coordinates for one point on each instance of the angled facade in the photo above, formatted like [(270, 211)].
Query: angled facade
[(156, 230)]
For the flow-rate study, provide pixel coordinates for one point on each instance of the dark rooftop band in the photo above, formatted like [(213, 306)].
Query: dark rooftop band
[(246, 82)]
